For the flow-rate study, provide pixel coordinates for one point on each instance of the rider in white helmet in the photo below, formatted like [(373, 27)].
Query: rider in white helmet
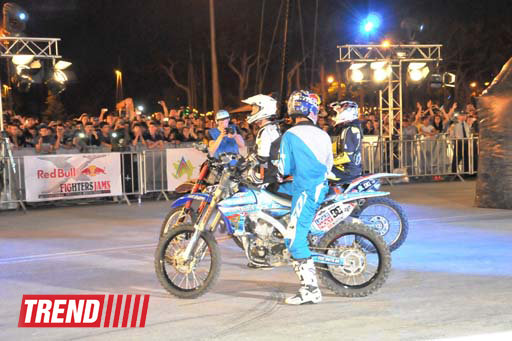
[(347, 145), (264, 114)]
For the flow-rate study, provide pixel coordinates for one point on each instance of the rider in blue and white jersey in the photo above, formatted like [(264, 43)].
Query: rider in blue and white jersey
[(306, 154)]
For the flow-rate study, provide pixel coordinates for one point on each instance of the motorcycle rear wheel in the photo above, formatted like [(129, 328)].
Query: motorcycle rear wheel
[(187, 278), (386, 217), (345, 241)]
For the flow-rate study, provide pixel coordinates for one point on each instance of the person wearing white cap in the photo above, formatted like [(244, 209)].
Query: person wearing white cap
[(225, 137)]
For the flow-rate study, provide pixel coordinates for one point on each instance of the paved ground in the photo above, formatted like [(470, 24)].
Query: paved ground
[(452, 277)]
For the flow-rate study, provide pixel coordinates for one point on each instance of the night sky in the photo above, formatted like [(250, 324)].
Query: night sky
[(136, 36)]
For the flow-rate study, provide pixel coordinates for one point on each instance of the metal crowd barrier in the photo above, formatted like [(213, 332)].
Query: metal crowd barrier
[(145, 171), (422, 156)]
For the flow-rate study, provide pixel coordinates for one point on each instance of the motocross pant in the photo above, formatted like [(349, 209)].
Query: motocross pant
[(304, 206)]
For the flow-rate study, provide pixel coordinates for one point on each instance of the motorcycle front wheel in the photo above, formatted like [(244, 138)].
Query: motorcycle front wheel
[(179, 215), (366, 260), (386, 217), (187, 278)]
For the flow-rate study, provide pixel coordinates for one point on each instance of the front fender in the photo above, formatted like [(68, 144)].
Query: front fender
[(189, 197), (181, 201)]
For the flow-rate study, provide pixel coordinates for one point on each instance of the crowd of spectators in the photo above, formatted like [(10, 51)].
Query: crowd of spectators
[(130, 129), (116, 131)]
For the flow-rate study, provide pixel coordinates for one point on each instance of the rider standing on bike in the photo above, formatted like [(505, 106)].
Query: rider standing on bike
[(306, 154), (347, 145), (264, 114), (225, 138)]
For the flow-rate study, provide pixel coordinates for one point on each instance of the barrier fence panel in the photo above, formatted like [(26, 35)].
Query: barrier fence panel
[(12, 193), (162, 170)]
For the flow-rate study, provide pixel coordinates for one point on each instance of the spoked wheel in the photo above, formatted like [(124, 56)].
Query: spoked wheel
[(187, 278), (386, 217), (363, 271), (179, 215)]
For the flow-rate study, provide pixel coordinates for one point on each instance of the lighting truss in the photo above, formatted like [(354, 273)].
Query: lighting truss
[(47, 48), (391, 97)]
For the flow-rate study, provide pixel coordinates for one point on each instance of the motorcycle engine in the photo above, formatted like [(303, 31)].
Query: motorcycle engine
[(266, 245)]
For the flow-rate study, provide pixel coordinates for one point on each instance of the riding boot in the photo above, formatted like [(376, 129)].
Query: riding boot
[(309, 291)]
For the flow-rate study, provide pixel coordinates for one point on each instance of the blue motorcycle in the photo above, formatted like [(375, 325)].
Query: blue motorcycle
[(352, 260)]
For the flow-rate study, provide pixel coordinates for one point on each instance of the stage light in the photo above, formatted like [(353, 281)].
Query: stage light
[(381, 71), (22, 59), (62, 64), (473, 84), (487, 83), (449, 79), (140, 108), (330, 79), (370, 23), (386, 44), (356, 75), (14, 19), (418, 71), (60, 76), (436, 81)]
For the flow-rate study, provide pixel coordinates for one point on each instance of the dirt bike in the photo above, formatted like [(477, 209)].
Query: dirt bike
[(382, 214), (352, 260)]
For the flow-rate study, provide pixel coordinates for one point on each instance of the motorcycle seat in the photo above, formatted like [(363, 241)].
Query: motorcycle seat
[(281, 198)]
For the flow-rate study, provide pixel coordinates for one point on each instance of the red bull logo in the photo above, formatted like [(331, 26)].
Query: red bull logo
[(93, 171), (56, 173)]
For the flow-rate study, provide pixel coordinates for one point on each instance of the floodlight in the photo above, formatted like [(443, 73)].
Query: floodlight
[(356, 73), (381, 71), (370, 23), (140, 107), (449, 79), (61, 65), (22, 59), (418, 71), (357, 76)]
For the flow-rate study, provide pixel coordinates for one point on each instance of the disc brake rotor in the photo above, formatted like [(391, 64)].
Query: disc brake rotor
[(354, 261), (379, 224)]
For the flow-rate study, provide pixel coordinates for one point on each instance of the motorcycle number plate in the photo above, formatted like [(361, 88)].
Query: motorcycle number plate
[(331, 215)]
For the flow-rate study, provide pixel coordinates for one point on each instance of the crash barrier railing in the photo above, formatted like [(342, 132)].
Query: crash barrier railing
[(417, 156), (160, 171)]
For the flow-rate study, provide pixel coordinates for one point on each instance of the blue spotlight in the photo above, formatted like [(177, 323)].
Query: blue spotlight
[(370, 23), (23, 16)]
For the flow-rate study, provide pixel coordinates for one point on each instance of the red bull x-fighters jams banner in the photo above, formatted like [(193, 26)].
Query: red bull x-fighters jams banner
[(54, 177)]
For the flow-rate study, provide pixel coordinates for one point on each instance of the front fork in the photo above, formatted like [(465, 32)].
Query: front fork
[(200, 226)]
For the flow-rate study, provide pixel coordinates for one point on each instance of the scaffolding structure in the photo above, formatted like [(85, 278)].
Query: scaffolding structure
[(41, 48), (391, 97)]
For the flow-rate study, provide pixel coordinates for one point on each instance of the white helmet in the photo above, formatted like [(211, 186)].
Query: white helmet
[(221, 115), (346, 111), (263, 107)]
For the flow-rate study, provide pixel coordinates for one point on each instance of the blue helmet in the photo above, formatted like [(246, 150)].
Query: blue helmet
[(304, 103)]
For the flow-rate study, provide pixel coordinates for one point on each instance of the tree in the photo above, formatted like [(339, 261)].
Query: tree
[(168, 68), (55, 110), (242, 70)]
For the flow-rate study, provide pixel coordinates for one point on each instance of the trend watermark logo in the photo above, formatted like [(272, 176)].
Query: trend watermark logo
[(53, 311)]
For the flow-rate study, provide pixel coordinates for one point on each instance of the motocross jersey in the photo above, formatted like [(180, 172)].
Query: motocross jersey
[(265, 150), (347, 151), (305, 154)]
